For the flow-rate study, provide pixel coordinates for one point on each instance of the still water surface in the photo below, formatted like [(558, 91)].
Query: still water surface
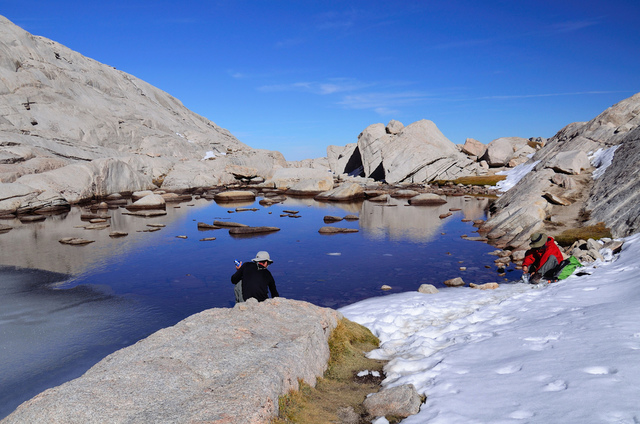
[(84, 302)]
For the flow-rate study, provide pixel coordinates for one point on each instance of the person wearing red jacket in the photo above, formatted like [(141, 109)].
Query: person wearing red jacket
[(542, 259)]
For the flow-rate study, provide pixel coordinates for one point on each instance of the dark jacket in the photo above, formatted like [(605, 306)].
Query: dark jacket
[(535, 258), (257, 281)]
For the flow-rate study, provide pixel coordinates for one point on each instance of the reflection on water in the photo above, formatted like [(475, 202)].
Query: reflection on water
[(36, 244), (122, 289), (397, 220)]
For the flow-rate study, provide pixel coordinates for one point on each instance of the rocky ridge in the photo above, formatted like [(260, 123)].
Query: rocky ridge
[(565, 189)]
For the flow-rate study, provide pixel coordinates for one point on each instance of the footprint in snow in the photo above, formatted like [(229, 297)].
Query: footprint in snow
[(555, 386), (521, 415), (509, 369), (600, 370)]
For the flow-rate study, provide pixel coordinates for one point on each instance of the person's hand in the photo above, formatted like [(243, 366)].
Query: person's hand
[(239, 265)]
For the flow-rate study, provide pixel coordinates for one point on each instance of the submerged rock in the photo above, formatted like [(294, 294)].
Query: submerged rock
[(329, 219), (204, 226), (252, 230), (427, 199), (336, 230), (228, 224), (234, 195), (75, 241)]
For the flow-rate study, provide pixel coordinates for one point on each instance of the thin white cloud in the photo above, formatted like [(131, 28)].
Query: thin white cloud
[(570, 26), (332, 86), (556, 28), (529, 96), (382, 102), (335, 20)]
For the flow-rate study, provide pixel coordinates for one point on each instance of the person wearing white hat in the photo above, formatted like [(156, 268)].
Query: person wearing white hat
[(542, 259), (253, 279)]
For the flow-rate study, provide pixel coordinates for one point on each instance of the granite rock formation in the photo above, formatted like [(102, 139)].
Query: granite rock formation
[(417, 153), (609, 194), (59, 109), (222, 365)]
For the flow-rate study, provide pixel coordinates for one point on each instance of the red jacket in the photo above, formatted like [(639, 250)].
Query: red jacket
[(535, 258)]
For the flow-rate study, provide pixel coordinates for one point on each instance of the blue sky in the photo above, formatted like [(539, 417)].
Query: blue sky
[(297, 76)]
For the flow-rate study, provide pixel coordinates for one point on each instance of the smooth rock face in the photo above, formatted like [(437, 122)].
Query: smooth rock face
[(219, 366), (370, 144), (571, 162), (61, 113), (615, 197)]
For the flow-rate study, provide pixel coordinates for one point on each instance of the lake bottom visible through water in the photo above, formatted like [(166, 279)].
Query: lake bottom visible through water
[(66, 307)]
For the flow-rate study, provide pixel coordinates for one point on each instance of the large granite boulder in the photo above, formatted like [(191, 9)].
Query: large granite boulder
[(473, 147), (342, 193), (501, 150), (219, 366), (416, 153)]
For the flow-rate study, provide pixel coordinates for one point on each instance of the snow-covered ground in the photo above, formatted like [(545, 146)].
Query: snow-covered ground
[(565, 353)]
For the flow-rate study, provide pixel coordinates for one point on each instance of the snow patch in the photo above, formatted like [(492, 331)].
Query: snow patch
[(514, 175), (579, 337), (601, 159)]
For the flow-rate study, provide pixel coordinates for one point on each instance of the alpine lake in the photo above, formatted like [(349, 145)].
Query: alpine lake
[(65, 307)]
